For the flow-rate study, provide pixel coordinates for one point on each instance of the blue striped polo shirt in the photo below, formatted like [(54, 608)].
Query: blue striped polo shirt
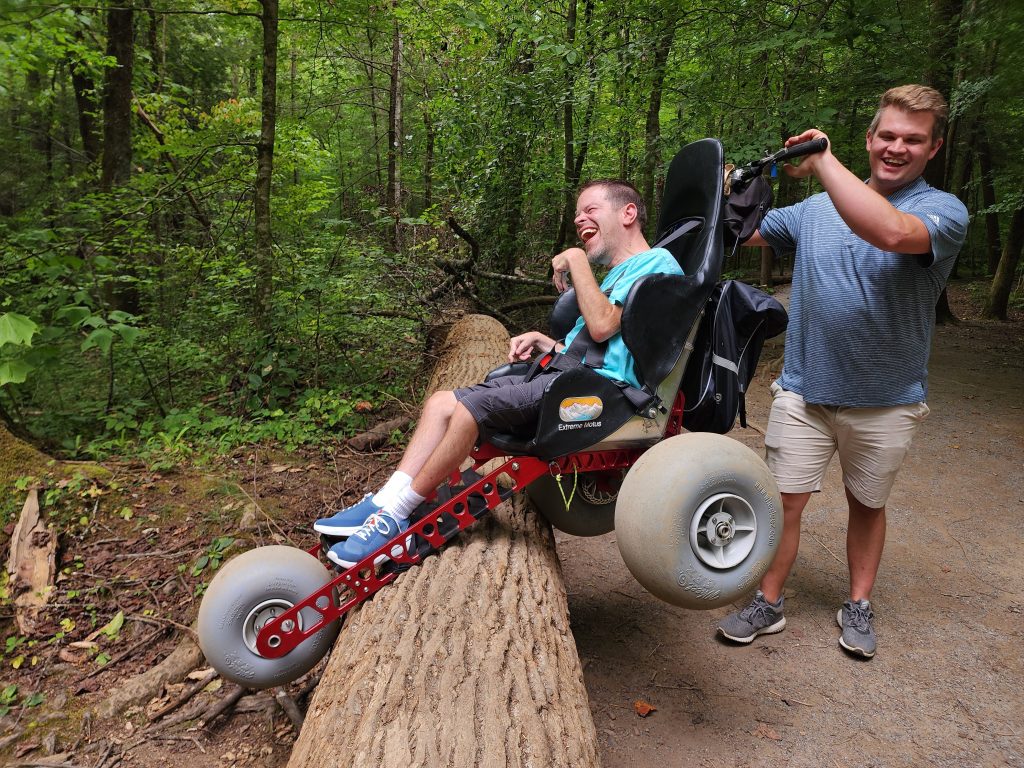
[(860, 318)]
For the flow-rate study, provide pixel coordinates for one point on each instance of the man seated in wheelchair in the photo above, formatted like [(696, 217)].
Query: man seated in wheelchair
[(610, 219)]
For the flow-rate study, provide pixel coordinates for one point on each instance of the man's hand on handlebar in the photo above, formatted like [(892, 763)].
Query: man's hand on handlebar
[(524, 346), (808, 163)]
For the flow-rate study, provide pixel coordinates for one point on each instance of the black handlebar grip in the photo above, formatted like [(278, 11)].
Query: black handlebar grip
[(799, 150)]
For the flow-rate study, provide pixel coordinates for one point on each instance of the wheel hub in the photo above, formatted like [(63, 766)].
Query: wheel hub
[(259, 617), (720, 529), (723, 530)]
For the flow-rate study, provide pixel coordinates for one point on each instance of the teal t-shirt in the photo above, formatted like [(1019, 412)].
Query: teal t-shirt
[(618, 362)]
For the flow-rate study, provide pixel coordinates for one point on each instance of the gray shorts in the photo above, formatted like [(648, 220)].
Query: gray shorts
[(507, 404)]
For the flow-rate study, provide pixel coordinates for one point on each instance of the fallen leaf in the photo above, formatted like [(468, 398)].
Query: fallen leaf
[(363, 406), (642, 708), (764, 731), (66, 654), (276, 468)]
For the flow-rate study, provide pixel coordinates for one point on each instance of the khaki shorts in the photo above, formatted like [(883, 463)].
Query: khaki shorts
[(872, 443)]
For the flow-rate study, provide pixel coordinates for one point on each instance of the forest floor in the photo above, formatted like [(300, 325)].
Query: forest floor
[(943, 690)]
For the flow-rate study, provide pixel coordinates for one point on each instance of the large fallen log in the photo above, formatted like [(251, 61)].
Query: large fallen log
[(467, 660)]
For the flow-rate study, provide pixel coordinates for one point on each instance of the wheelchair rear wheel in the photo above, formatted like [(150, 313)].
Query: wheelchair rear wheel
[(591, 510)]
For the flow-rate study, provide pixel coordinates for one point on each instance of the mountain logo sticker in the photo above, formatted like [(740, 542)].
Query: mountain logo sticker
[(574, 409)]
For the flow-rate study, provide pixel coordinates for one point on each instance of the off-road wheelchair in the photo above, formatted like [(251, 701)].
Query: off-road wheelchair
[(697, 515)]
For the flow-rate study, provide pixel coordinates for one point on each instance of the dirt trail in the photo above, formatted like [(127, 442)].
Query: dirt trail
[(944, 688)]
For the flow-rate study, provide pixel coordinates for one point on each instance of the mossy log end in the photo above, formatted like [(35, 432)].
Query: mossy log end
[(467, 660)]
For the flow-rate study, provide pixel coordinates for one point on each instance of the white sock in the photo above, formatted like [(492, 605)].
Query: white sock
[(389, 493), (407, 500)]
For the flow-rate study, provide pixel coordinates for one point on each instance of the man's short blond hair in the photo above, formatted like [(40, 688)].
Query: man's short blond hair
[(915, 98)]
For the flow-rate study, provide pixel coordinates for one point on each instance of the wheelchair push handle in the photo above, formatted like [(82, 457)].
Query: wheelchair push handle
[(744, 174), (799, 150)]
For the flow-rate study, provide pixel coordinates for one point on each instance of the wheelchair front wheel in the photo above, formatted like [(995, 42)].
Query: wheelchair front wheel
[(246, 593)]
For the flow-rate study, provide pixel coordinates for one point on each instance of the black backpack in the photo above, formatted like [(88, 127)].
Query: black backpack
[(743, 209), (737, 320)]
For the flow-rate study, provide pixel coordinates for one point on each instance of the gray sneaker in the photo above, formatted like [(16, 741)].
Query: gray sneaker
[(858, 635), (758, 618)]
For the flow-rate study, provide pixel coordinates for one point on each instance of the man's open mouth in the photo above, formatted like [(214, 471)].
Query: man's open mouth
[(587, 232), (893, 163)]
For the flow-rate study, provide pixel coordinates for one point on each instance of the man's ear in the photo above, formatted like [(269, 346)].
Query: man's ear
[(935, 148), (628, 214)]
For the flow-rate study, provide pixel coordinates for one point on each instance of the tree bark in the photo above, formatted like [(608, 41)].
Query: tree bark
[(575, 159), (265, 169), (945, 27), (117, 99), (85, 89), (467, 660), (428, 160), (993, 245), (1002, 283), (652, 131), (394, 189), (568, 139)]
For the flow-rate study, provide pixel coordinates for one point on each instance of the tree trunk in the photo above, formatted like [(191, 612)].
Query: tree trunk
[(393, 200), (1002, 283), (265, 169), (623, 89), (116, 162), (575, 159), (568, 139), (467, 660), (652, 132), (428, 160), (370, 67), (945, 27), (157, 52), (85, 89), (767, 258), (993, 245), (117, 99)]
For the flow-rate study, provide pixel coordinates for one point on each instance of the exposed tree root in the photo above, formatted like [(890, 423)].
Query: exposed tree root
[(141, 688), (221, 706), (185, 696)]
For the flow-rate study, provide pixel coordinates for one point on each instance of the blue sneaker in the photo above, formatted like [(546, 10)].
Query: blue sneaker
[(373, 534), (349, 520)]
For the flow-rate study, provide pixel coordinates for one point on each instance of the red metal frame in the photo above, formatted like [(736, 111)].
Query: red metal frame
[(360, 582)]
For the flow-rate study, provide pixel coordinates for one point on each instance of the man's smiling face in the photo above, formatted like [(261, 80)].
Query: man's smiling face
[(598, 224), (900, 148)]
